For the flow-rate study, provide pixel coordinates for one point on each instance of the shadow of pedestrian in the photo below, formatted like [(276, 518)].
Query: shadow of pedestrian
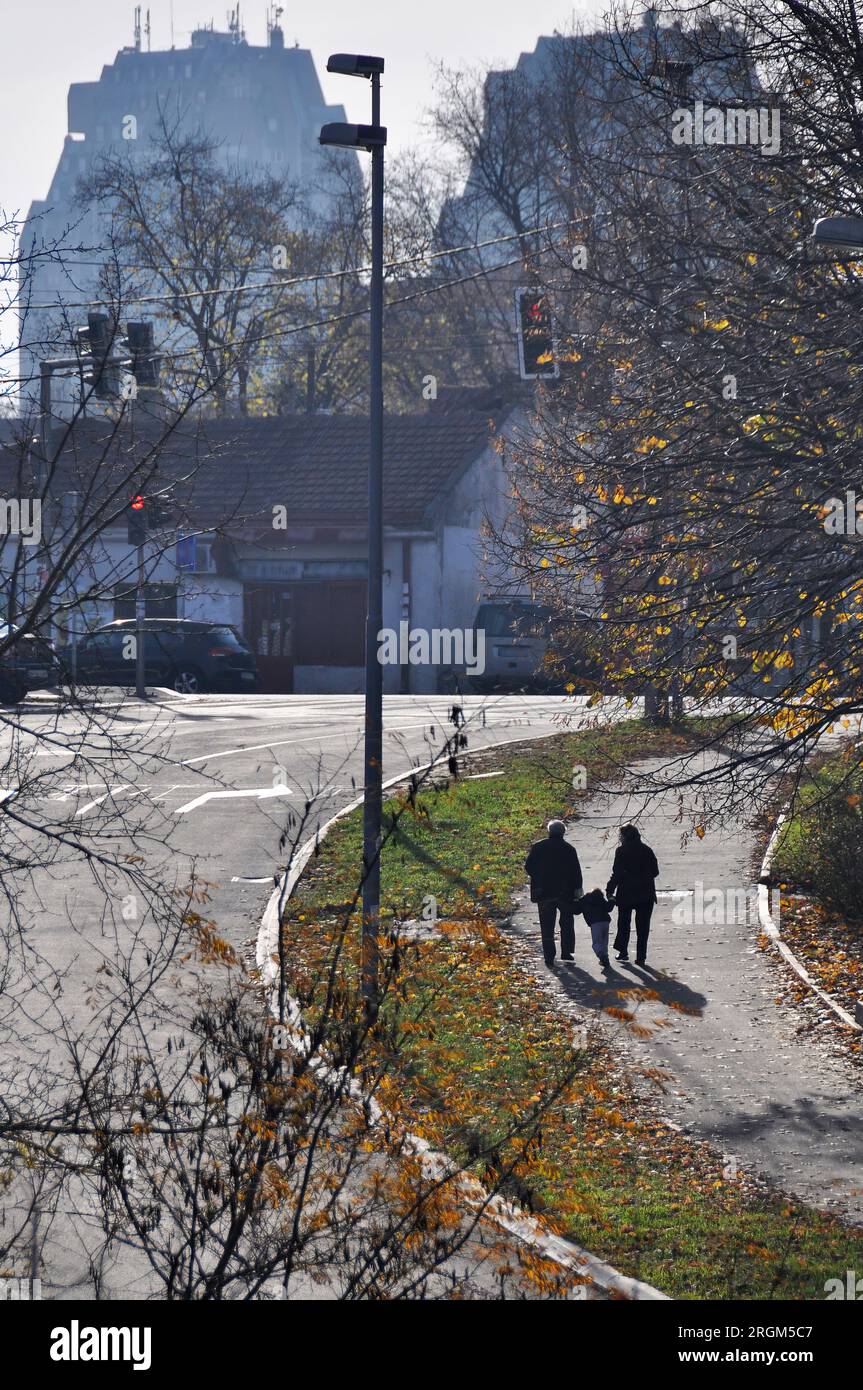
[(591, 991), (673, 993), (615, 987)]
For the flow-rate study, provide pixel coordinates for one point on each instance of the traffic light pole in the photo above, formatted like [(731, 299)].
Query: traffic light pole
[(141, 358), (373, 763), (139, 628)]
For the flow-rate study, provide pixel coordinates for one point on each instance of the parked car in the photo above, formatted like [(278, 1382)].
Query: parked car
[(189, 656), (518, 635), (514, 645), (28, 663)]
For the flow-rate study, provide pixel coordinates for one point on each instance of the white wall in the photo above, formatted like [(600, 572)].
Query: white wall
[(211, 599)]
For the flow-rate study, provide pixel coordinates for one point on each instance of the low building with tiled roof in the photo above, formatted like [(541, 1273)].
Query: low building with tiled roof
[(266, 527)]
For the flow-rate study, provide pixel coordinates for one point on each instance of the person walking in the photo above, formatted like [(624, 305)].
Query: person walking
[(555, 882), (595, 908), (634, 890)]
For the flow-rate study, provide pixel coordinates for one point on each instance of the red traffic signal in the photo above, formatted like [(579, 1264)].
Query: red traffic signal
[(136, 521), (534, 329)]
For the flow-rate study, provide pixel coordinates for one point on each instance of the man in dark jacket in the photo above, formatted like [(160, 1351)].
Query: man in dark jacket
[(555, 882), (633, 888)]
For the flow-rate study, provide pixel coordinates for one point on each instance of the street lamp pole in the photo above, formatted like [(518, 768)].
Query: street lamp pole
[(373, 765), (373, 139)]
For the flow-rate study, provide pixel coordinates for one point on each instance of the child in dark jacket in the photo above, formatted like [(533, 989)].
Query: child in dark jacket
[(595, 908)]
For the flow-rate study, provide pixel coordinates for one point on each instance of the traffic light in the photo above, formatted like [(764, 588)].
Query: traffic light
[(117, 365), (536, 346), (137, 520), (100, 339), (146, 514), (144, 361), (158, 512)]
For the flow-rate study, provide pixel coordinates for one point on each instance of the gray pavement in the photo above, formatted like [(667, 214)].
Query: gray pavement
[(202, 785), (206, 784), (783, 1105)]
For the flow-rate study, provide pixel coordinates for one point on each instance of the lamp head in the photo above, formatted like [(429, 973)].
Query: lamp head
[(357, 137), (355, 64), (839, 231)]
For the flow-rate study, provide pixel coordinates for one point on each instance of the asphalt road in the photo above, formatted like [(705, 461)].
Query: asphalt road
[(197, 786), (205, 785), (214, 778)]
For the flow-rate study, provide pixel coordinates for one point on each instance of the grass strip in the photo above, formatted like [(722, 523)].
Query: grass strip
[(481, 1044)]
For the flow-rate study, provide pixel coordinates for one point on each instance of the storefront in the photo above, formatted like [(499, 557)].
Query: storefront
[(305, 622)]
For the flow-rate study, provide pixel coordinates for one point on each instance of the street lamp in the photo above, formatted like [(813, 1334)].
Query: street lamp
[(839, 231), (372, 138)]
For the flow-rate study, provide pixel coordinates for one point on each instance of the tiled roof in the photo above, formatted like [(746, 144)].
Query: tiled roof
[(314, 465)]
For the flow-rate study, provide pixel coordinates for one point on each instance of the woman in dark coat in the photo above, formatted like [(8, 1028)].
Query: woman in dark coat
[(633, 888)]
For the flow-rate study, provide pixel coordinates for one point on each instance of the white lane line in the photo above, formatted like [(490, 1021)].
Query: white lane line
[(175, 787), (69, 787), (82, 811), (262, 794), (312, 738), (280, 743), (240, 879)]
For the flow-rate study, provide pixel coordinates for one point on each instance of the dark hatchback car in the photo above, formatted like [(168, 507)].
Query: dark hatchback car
[(27, 662), (188, 656)]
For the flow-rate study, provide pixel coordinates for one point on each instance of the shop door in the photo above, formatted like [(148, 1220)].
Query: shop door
[(269, 630)]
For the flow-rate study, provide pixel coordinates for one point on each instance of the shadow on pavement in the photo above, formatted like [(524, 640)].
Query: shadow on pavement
[(806, 1118), (618, 987)]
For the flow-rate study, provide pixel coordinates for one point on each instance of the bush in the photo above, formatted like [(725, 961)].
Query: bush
[(822, 847)]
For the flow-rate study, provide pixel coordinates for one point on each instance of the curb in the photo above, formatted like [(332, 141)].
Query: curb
[(507, 1217), (771, 930)]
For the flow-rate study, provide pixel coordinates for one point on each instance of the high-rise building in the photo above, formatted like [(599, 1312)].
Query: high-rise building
[(263, 108)]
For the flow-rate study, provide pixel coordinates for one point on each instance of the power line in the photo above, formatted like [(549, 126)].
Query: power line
[(317, 323), (298, 279)]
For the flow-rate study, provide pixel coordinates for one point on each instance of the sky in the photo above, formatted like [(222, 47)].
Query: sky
[(48, 44)]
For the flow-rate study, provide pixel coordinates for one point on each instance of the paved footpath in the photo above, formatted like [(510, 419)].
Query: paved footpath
[(785, 1106)]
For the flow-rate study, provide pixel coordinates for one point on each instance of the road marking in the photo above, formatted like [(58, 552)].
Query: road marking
[(175, 787), (312, 738), (280, 743), (240, 879), (111, 791), (262, 794)]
